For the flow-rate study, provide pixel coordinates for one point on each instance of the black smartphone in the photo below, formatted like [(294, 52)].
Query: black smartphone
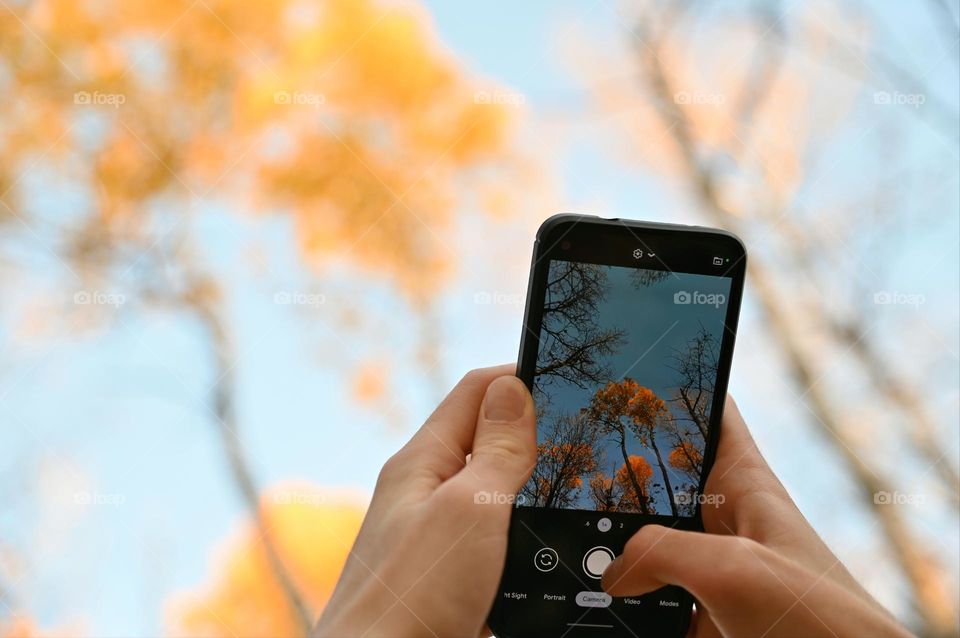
[(627, 343)]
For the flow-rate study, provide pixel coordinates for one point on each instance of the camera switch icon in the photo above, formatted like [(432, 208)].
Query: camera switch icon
[(546, 559)]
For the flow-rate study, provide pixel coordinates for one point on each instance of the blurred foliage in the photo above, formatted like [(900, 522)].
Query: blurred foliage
[(312, 530), (346, 112)]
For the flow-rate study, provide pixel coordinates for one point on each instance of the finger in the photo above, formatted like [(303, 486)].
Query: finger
[(504, 448), (442, 443), (736, 450), (735, 437), (658, 556), (701, 625)]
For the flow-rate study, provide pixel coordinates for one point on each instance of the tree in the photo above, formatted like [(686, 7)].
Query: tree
[(636, 466), (689, 420), (626, 407), (605, 492), (609, 409), (564, 457), (616, 492), (645, 277), (697, 370), (649, 415), (572, 347)]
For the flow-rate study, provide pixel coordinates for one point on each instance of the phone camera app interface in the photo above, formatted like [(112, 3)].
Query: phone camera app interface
[(626, 369)]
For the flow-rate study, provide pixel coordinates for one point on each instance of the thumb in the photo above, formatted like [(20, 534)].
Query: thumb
[(504, 447)]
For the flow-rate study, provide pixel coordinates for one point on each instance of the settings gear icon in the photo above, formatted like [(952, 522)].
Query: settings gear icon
[(637, 253)]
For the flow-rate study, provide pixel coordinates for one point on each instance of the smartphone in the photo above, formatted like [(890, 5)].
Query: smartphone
[(627, 343)]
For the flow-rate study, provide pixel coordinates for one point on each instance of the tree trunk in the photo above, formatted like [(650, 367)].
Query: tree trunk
[(201, 299), (641, 498), (663, 471)]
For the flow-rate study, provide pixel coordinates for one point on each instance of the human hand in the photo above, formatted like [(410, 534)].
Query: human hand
[(760, 569), (429, 556)]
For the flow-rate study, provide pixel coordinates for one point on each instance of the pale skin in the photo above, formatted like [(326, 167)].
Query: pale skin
[(428, 558)]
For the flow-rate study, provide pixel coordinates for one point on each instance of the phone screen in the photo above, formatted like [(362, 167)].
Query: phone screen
[(630, 365), (624, 384)]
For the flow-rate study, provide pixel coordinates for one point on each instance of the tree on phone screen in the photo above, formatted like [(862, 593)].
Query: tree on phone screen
[(572, 347), (565, 455), (696, 367), (615, 492), (610, 411), (606, 493), (648, 416)]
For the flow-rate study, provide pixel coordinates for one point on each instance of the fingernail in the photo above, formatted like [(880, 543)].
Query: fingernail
[(506, 400), (608, 576)]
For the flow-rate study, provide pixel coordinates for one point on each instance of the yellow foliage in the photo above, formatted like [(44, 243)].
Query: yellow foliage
[(347, 113), (313, 532)]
